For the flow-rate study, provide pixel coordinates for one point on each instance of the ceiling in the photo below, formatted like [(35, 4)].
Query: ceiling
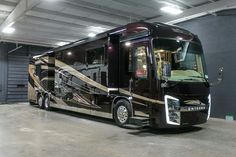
[(48, 22)]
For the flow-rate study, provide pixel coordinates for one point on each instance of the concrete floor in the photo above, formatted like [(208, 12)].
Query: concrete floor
[(27, 131)]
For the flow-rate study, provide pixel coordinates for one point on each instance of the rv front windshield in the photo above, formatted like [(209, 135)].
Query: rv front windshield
[(185, 59)]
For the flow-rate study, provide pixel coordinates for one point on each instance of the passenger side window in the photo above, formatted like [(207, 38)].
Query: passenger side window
[(74, 57)]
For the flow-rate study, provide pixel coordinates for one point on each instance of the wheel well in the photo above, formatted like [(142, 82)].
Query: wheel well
[(116, 99), (44, 94)]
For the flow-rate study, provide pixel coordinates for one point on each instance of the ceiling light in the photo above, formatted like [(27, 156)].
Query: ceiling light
[(172, 10), (69, 53), (91, 35), (8, 30), (62, 43), (96, 29)]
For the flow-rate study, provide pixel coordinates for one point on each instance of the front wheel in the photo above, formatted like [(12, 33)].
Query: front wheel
[(122, 112)]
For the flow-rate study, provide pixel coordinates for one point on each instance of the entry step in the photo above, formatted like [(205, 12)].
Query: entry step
[(139, 121), (132, 126)]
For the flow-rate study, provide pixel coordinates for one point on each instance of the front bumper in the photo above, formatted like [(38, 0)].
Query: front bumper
[(176, 113)]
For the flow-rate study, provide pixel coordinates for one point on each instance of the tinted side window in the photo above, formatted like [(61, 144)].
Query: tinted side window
[(74, 56), (58, 55), (140, 62), (38, 70), (96, 56)]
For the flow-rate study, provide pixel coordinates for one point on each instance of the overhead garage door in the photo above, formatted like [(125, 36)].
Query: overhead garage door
[(17, 78)]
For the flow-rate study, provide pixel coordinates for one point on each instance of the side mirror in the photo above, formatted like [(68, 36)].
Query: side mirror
[(219, 78), (166, 73)]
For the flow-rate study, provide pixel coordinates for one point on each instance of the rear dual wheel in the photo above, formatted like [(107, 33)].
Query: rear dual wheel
[(40, 101), (47, 103), (44, 102)]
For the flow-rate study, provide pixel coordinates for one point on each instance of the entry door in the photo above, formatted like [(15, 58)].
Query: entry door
[(140, 77)]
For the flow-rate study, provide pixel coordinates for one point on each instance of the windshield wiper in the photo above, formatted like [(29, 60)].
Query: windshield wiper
[(206, 81), (200, 77), (167, 85)]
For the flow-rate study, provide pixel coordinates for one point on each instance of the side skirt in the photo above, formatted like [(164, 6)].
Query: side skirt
[(82, 110)]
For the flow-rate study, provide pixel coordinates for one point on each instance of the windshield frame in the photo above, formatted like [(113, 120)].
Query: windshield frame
[(204, 76)]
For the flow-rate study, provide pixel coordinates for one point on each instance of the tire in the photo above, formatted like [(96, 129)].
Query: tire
[(122, 112), (40, 101), (47, 103)]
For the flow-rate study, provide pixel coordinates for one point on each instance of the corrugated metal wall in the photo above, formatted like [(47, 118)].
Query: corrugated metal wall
[(3, 71), (14, 70), (17, 79)]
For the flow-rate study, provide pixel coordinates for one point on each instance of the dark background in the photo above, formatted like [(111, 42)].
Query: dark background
[(218, 36)]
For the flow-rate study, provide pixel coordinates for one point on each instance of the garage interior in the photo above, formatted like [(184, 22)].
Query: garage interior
[(32, 27)]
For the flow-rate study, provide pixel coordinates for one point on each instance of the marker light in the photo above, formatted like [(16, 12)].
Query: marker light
[(127, 44), (171, 10)]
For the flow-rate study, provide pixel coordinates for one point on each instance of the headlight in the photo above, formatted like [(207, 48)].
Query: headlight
[(209, 108), (172, 109)]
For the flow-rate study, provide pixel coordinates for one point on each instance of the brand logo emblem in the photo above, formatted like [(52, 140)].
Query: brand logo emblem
[(194, 102)]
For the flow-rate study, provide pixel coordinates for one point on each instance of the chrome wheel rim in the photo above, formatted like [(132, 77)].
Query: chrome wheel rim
[(40, 102), (122, 114), (46, 103)]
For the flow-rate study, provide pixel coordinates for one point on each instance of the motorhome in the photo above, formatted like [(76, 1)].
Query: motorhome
[(145, 74)]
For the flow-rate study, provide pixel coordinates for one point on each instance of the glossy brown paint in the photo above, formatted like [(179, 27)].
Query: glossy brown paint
[(147, 96)]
